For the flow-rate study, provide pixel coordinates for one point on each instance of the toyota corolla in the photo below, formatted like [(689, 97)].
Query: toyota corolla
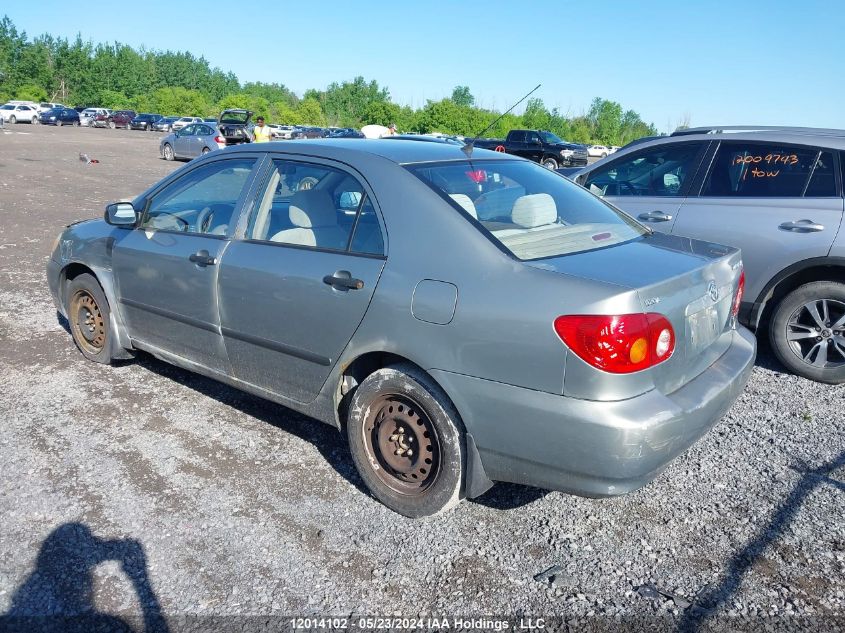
[(465, 317)]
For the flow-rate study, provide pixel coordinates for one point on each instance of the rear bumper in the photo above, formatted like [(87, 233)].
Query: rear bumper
[(594, 448)]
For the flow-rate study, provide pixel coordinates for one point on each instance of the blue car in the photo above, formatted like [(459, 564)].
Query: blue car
[(60, 117)]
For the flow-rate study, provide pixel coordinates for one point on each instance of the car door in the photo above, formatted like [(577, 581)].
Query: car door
[(779, 203), (295, 288), (649, 184), (183, 140), (533, 148), (166, 269)]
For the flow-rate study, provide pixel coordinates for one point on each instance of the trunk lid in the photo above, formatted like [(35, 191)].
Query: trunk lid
[(690, 282)]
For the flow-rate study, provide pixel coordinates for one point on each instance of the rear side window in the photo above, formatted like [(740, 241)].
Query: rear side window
[(657, 171), (532, 212), (770, 171)]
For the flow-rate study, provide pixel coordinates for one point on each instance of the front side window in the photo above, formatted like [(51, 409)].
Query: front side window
[(201, 201), (532, 212), (312, 205), (550, 138), (658, 171), (769, 170)]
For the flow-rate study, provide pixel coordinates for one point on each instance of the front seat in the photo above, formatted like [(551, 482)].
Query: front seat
[(314, 219)]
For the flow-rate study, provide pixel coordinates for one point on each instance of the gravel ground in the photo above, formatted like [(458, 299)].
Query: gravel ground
[(145, 489)]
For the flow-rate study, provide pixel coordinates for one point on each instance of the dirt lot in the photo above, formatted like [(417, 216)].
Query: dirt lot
[(143, 489)]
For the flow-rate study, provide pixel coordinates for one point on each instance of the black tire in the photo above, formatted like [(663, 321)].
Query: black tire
[(549, 163), (13, 119), (205, 150), (34, 120), (112, 125), (58, 122), (400, 406), (604, 154), (75, 123), (803, 355), (128, 126), (167, 150), (88, 314)]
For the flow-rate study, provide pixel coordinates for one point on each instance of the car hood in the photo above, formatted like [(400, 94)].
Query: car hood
[(572, 146), (235, 117)]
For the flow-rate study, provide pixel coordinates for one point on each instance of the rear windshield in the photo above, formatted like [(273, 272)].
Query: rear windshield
[(234, 117), (531, 211)]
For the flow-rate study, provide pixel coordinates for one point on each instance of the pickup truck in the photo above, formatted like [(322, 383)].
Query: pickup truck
[(540, 146)]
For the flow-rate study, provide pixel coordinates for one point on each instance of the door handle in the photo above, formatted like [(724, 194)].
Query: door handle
[(343, 279), (202, 258), (655, 216), (802, 226)]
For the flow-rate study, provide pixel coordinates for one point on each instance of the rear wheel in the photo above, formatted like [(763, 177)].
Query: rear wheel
[(807, 331), (34, 120), (58, 123), (549, 163), (128, 126), (168, 152), (88, 314), (112, 125), (407, 441), (604, 154), (75, 123), (205, 150)]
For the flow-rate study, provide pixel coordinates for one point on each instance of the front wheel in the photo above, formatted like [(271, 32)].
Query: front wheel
[(112, 125), (407, 441), (88, 314), (128, 126), (58, 123), (76, 124), (13, 119), (807, 331), (34, 120), (549, 163), (604, 155), (168, 152)]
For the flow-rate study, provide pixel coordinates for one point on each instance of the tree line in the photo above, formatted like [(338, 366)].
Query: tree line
[(115, 75)]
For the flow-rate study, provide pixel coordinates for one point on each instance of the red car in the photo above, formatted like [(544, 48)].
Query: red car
[(121, 118)]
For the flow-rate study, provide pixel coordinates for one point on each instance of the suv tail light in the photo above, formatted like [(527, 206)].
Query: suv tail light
[(740, 290), (618, 344)]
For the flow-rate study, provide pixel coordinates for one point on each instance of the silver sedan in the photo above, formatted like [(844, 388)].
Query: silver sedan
[(192, 141)]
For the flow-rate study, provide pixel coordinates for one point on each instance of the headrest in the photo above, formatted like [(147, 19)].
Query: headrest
[(465, 202), (311, 209), (536, 209)]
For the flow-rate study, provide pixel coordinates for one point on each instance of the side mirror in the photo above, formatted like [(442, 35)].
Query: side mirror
[(121, 214)]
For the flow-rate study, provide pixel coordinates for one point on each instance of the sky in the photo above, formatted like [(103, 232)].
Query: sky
[(773, 62)]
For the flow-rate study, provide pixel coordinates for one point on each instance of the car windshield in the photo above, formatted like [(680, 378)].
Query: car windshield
[(550, 138), (531, 211)]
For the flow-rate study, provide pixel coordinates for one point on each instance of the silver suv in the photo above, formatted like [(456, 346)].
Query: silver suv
[(775, 192)]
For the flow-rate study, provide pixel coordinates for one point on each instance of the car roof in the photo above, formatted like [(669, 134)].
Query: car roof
[(832, 138), (402, 152)]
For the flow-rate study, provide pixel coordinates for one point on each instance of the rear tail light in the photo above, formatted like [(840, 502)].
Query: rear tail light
[(618, 344), (220, 139), (740, 290)]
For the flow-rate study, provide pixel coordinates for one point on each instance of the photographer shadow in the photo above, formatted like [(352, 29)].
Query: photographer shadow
[(58, 594)]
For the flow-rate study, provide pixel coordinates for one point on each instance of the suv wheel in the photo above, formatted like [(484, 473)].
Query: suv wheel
[(407, 441), (549, 163), (807, 331)]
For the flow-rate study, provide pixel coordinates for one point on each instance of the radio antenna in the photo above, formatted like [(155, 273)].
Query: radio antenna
[(467, 149)]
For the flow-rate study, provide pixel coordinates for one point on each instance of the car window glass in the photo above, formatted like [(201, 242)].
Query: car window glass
[(765, 170), (657, 171), (201, 201), (307, 205), (822, 181), (531, 211), (368, 238), (188, 130)]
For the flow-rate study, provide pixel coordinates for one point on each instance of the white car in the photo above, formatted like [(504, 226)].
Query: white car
[(87, 116), (19, 113), (282, 131), (178, 124), (598, 151), (46, 105)]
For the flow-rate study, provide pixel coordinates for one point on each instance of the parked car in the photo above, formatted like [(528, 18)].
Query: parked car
[(234, 126), (304, 132), (345, 132), (210, 119), (181, 122), (145, 121), (46, 105), (19, 113), (60, 117), (121, 118), (598, 151), (88, 115), (101, 119), (282, 131), (776, 193), (191, 141), (569, 347), (165, 124), (540, 146)]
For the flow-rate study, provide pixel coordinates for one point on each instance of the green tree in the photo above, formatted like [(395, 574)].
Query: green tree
[(309, 112), (462, 96), (31, 92)]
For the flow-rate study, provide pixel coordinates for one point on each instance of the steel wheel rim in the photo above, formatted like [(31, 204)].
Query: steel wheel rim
[(87, 322), (815, 332), (402, 444)]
